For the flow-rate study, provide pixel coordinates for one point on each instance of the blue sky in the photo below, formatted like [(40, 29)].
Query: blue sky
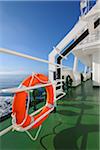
[(34, 28)]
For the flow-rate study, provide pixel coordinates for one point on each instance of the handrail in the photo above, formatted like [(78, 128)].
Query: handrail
[(4, 131), (20, 89), (7, 51)]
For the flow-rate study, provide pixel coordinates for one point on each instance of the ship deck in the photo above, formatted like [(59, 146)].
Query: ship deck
[(75, 125)]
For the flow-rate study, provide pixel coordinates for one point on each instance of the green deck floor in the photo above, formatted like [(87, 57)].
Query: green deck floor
[(75, 125)]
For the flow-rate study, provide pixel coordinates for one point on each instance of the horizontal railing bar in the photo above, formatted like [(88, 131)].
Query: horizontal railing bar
[(59, 85), (6, 130), (37, 111), (59, 80), (15, 90), (11, 127), (33, 123), (7, 51), (63, 94)]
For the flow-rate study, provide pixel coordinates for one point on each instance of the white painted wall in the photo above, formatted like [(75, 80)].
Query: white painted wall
[(96, 68)]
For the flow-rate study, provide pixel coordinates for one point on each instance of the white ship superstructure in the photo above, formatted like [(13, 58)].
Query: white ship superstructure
[(84, 42)]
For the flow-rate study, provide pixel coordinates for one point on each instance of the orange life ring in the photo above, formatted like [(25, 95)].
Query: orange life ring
[(19, 102)]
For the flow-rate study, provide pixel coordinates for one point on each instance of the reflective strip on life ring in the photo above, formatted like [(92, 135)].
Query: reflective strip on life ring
[(19, 102)]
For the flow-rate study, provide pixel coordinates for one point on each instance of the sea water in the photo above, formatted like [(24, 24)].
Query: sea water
[(8, 81)]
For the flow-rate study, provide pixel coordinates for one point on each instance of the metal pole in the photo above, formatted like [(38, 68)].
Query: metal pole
[(7, 51)]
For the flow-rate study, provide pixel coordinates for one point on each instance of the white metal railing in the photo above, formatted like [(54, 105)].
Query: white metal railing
[(20, 89), (4, 131), (11, 52)]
